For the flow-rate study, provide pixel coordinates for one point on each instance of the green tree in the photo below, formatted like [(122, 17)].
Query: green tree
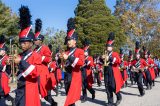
[(139, 17), (8, 21), (55, 38), (94, 21), (140, 21)]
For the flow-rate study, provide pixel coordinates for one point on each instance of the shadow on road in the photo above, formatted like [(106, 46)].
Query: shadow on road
[(99, 89), (127, 93), (96, 101), (157, 81), (132, 87)]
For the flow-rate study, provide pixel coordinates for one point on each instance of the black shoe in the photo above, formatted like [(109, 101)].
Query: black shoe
[(93, 96), (143, 93), (153, 84), (83, 99), (118, 102), (109, 104), (148, 87), (54, 104)]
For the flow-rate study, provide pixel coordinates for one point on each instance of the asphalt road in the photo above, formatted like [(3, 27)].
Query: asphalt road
[(130, 97)]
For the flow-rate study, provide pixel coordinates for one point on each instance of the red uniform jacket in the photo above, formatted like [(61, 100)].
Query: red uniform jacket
[(4, 72), (55, 69), (142, 64), (89, 64), (45, 76), (74, 92), (125, 64), (28, 73), (99, 66), (116, 71), (52, 68), (151, 69)]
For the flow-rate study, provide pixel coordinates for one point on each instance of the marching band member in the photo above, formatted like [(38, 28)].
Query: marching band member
[(27, 93), (138, 66), (44, 78), (131, 73), (74, 58), (58, 72), (112, 76), (151, 68), (123, 68), (98, 62), (54, 68), (87, 78), (149, 72), (5, 72)]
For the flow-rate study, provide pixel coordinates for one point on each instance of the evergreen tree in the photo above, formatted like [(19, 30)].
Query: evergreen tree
[(8, 21), (94, 21)]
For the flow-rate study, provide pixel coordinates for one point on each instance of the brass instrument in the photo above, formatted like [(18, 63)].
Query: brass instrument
[(62, 60), (106, 58), (138, 70), (13, 54), (122, 67)]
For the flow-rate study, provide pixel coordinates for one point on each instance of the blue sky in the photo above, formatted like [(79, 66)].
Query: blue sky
[(54, 13)]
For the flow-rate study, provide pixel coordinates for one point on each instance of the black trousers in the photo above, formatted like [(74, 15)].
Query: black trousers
[(85, 84), (97, 78), (110, 92), (156, 73), (132, 77), (49, 98), (148, 78), (110, 84), (139, 77), (84, 91)]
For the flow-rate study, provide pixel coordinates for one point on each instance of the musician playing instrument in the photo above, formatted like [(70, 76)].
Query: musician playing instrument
[(149, 72), (27, 93), (138, 65), (55, 71), (87, 72), (112, 76), (5, 71), (131, 73), (74, 58), (123, 67), (98, 73), (46, 81)]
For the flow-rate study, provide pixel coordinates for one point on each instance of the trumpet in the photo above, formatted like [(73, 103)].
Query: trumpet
[(13, 54)]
